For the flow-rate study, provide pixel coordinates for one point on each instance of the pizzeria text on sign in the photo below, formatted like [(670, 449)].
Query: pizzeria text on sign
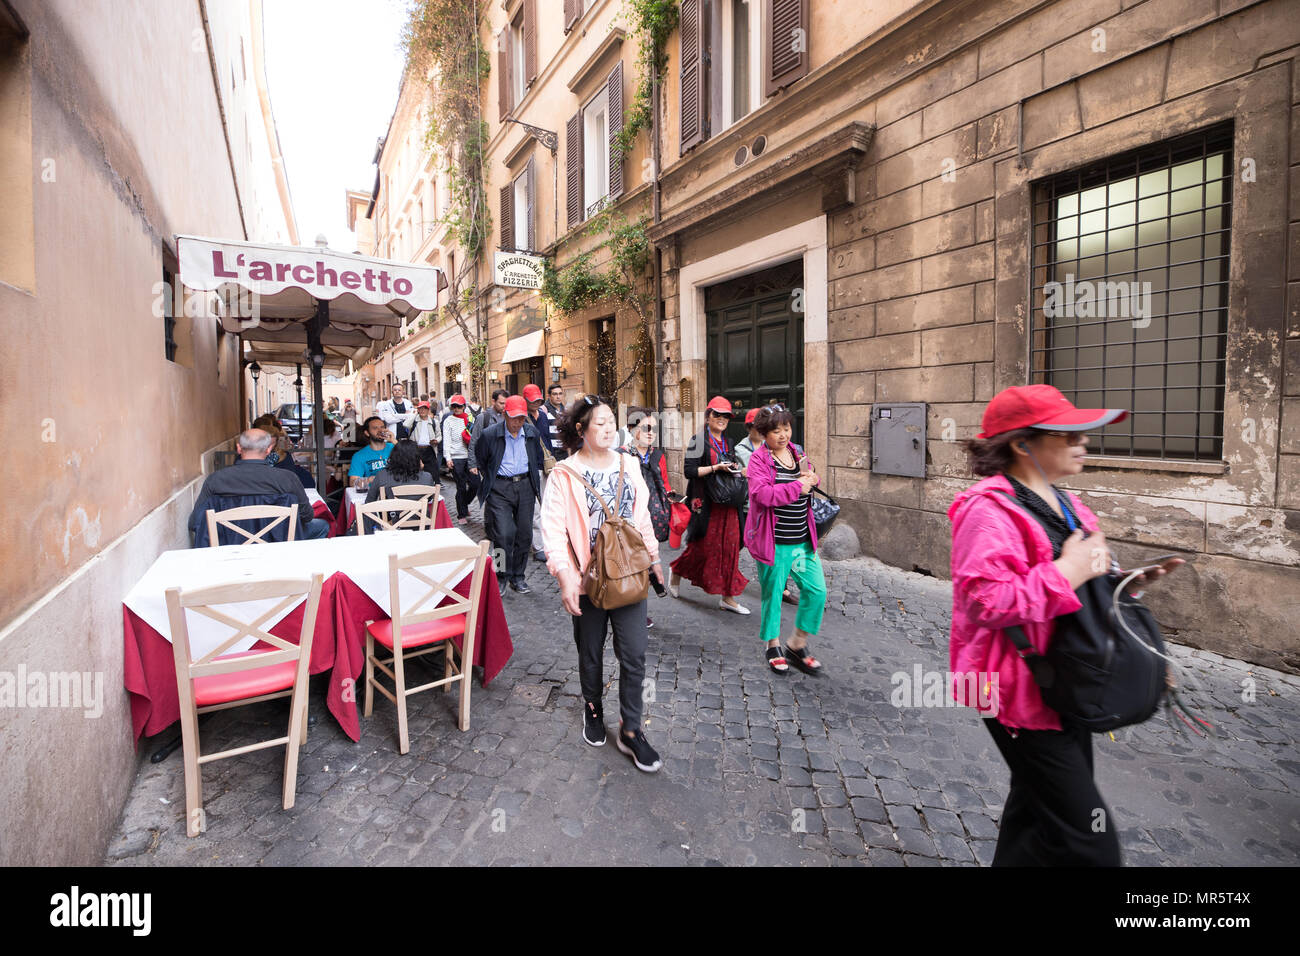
[(260, 269)]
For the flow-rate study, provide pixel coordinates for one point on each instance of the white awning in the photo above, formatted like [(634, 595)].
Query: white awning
[(524, 347)]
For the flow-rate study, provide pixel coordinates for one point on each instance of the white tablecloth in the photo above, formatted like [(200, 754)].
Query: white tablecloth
[(364, 559), (313, 496)]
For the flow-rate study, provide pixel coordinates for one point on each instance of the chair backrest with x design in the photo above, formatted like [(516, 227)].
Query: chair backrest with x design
[(439, 587), (394, 514), (267, 534)]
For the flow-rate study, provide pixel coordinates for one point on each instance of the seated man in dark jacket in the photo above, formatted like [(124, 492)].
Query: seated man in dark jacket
[(509, 456), (252, 475)]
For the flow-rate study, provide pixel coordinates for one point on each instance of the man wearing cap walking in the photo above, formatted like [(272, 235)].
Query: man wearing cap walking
[(510, 460), (425, 434), (455, 451)]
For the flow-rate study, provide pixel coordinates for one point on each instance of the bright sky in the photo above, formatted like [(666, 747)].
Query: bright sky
[(333, 67)]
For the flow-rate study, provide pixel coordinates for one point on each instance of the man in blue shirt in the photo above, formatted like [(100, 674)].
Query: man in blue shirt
[(372, 459), (509, 454)]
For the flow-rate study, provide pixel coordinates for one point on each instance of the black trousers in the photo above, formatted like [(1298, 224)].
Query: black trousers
[(1054, 815), (429, 459), (466, 486), (508, 514), (630, 638)]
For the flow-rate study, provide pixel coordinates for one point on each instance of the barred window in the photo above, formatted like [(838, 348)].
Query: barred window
[(1130, 293)]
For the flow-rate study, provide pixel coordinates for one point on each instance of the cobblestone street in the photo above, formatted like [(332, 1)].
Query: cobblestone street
[(758, 768)]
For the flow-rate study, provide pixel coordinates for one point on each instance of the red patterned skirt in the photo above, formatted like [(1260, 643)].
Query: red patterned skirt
[(713, 562)]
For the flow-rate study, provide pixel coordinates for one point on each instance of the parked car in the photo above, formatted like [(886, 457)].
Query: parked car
[(295, 427)]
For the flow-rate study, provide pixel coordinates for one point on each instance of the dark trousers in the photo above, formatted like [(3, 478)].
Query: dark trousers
[(429, 460), (466, 486), (630, 637), (508, 513), (1054, 814)]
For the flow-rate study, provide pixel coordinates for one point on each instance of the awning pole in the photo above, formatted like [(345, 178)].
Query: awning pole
[(314, 328)]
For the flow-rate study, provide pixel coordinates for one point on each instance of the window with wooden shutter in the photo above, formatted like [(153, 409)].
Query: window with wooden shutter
[(694, 74), (785, 45), (530, 41), (573, 170), (503, 74), (507, 217), (572, 11), (614, 88), (531, 179)]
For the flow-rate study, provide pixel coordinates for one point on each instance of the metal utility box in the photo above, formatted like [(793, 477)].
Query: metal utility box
[(898, 439)]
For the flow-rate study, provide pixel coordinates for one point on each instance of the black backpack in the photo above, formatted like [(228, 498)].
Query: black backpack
[(1096, 673)]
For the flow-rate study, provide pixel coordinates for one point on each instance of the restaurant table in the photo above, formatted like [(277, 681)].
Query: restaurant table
[(355, 590), (319, 507), (352, 497)]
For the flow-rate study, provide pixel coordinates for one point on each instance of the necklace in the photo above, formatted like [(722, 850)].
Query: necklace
[(781, 461)]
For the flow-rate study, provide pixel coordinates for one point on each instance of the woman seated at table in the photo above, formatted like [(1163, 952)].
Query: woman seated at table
[(404, 468)]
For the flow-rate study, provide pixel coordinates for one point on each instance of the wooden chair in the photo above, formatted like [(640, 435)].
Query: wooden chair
[(227, 519), (412, 632), (410, 514), (430, 495), (217, 681)]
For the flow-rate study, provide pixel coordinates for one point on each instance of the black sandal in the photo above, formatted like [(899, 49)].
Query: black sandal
[(776, 661), (803, 660), (788, 598)]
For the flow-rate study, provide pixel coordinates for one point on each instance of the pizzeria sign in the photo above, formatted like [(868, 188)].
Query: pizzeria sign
[(515, 270)]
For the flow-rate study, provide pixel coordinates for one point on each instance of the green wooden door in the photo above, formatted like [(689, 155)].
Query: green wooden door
[(755, 342)]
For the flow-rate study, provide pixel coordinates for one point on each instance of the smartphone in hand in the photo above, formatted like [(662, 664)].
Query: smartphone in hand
[(657, 584)]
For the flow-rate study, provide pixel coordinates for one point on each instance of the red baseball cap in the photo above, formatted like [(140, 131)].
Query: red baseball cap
[(516, 406), (1042, 406), (720, 405), (532, 393), (423, 405), (751, 415), (457, 399)]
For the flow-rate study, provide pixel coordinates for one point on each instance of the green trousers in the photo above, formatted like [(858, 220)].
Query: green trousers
[(801, 561)]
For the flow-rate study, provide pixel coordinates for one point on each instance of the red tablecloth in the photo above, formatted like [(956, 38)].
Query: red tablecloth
[(338, 646), (341, 524)]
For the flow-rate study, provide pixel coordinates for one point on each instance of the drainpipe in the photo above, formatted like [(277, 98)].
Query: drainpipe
[(655, 214)]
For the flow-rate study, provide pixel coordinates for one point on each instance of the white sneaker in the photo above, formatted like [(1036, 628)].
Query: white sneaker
[(733, 608), (674, 590)]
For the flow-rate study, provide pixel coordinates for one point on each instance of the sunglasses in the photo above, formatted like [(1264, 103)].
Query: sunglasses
[(777, 407), (592, 400), (1071, 438), (647, 427)]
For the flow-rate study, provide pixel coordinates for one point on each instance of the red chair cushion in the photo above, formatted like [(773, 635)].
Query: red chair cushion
[(223, 688), (417, 635)]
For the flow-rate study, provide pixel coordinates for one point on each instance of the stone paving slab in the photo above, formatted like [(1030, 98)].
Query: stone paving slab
[(758, 769)]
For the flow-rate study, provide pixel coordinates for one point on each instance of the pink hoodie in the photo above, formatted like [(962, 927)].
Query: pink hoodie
[(996, 583)]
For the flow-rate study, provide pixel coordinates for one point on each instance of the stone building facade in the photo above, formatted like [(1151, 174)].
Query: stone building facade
[(882, 224)]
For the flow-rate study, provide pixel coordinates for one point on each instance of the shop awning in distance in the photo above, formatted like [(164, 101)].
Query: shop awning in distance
[(523, 347)]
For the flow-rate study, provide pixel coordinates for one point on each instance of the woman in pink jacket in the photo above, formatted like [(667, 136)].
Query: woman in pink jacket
[(1020, 549), (571, 516)]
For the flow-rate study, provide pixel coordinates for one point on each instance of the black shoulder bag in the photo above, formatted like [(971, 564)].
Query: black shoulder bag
[(1105, 667)]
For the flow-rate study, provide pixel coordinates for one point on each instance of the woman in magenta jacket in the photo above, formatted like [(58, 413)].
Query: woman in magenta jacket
[(781, 534), (1020, 549)]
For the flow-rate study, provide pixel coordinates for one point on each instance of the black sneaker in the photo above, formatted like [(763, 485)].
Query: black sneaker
[(501, 587), (521, 587), (638, 748), (593, 724)]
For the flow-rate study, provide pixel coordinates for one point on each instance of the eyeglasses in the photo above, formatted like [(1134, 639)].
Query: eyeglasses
[(648, 427), (1071, 438), (777, 407)]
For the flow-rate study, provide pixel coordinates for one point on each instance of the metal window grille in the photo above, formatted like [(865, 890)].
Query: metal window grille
[(169, 320), (1130, 293)]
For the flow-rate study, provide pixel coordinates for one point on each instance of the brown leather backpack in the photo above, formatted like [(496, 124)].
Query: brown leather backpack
[(618, 573)]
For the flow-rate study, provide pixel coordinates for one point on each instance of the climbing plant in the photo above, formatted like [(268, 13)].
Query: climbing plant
[(444, 48), (651, 21), (614, 269)]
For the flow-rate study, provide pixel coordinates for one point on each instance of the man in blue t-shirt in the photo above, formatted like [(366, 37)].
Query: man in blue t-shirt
[(372, 459)]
